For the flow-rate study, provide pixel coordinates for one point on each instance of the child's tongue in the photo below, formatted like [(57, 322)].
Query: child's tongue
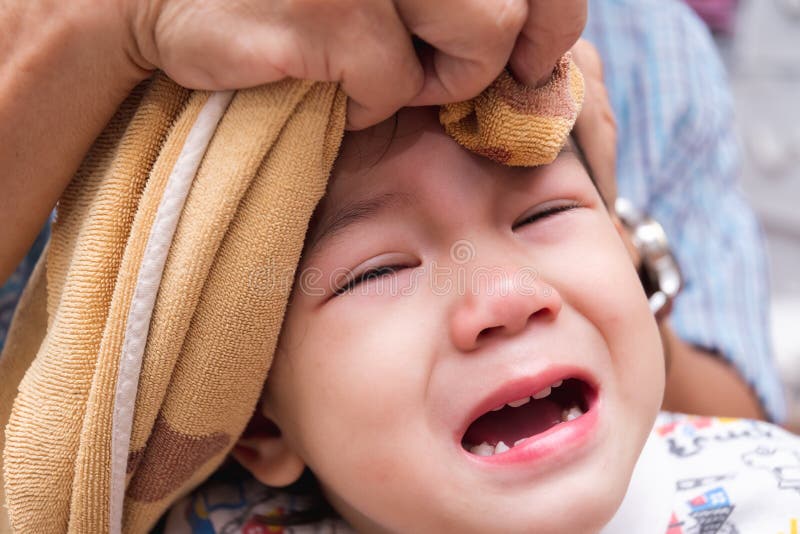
[(509, 425)]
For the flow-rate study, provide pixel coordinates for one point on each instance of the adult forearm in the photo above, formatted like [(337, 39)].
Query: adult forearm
[(64, 72), (702, 383)]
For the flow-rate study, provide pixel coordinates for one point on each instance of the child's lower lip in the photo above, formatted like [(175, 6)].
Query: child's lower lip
[(558, 441)]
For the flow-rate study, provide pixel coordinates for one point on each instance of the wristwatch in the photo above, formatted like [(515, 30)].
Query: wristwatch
[(659, 270)]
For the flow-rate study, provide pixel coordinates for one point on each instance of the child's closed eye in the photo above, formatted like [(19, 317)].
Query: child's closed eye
[(545, 212), (368, 275), (371, 273)]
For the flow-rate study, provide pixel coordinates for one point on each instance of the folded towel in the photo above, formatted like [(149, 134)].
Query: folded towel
[(517, 125), (142, 341)]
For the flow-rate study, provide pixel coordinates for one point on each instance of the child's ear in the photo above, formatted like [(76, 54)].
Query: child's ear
[(263, 451)]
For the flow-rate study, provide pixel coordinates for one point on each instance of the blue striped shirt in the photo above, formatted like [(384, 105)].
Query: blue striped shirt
[(12, 289), (679, 160)]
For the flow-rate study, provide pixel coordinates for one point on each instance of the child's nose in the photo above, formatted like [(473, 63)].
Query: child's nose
[(503, 305)]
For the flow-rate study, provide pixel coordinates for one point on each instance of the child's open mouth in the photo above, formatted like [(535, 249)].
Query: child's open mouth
[(511, 424)]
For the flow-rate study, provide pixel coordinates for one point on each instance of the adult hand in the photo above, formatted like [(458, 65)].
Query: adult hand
[(365, 45), (68, 65)]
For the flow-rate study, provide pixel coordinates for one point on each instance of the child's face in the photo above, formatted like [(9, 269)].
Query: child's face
[(503, 282)]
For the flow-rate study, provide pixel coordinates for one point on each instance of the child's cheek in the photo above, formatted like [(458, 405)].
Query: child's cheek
[(366, 348), (598, 280)]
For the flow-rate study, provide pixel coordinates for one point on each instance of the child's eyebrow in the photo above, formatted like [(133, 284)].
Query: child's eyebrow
[(361, 210), (356, 212)]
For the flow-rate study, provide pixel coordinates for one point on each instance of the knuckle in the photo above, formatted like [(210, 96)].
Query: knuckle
[(411, 81), (508, 15)]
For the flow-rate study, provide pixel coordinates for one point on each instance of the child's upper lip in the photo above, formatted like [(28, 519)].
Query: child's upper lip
[(517, 387)]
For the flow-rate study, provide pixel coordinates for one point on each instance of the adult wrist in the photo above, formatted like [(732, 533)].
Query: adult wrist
[(658, 268), (92, 36), (64, 73)]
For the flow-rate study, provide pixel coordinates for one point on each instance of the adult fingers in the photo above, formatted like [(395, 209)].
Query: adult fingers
[(470, 43), (551, 28), (376, 64), (596, 129), (214, 44)]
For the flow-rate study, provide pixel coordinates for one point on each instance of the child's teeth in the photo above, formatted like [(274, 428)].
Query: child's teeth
[(539, 395), (572, 413), (519, 441), (520, 402), (484, 449)]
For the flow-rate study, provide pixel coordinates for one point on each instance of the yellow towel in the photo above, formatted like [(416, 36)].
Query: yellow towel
[(142, 341), (517, 125)]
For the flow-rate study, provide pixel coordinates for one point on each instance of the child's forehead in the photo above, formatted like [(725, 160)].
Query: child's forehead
[(363, 149), (409, 144), (387, 169), (372, 160)]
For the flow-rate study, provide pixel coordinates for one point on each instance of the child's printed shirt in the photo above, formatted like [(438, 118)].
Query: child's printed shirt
[(696, 475), (718, 475)]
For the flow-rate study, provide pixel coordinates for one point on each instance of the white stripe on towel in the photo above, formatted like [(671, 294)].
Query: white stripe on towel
[(144, 296)]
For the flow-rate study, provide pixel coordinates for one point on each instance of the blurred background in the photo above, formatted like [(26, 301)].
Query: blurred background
[(760, 43)]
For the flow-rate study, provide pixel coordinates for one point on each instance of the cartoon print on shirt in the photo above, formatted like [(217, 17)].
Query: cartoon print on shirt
[(675, 525), (728, 488), (693, 483), (784, 464), (688, 436), (699, 505), (260, 524), (237, 501), (710, 514), (202, 504)]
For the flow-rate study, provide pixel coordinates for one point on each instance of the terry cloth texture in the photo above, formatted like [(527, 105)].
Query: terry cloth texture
[(142, 341), (517, 125)]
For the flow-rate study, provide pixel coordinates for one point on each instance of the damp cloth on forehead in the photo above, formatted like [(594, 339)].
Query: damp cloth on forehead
[(142, 341), (517, 125)]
